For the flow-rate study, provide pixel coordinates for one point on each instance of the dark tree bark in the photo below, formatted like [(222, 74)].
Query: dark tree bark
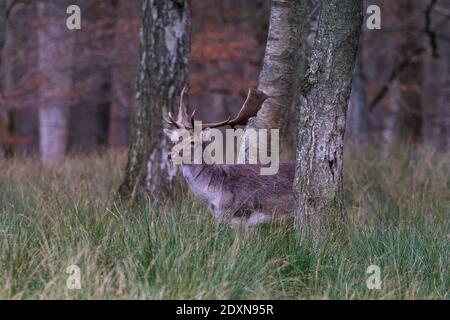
[(325, 92), (284, 60), (164, 53)]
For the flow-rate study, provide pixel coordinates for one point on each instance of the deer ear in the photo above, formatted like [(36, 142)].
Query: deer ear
[(169, 133)]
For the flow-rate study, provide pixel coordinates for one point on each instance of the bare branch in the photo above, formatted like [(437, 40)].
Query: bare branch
[(396, 71), (431, 34), (406, 61)]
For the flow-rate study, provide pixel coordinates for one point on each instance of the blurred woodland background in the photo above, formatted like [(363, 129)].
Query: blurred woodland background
[(83, 82), (72, 92)]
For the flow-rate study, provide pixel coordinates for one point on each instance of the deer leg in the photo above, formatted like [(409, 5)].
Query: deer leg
[(246, 223), (238, 223), (258, 218)]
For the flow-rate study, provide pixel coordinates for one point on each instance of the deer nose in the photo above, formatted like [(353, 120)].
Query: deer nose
[(169, 157)]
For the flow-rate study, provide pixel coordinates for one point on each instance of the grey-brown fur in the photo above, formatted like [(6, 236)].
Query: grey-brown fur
[(239, 194)]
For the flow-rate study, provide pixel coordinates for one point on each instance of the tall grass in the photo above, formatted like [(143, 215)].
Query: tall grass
[(398, 207)]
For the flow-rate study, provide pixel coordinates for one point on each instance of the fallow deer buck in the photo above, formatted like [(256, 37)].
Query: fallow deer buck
[(236, 193)]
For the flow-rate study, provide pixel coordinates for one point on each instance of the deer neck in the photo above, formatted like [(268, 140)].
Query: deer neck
[(206, 181)]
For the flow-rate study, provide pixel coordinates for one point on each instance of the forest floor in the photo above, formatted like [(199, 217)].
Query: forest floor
[(398, 207)]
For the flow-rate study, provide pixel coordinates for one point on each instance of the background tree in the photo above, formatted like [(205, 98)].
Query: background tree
[(403, 106), (125, 57), (284, 61), (19, 78), (164, 52), (92, 74), (55, 44), (3, 114), (407, 88), (228, 43), (358, 115), (436, 97), (325, 92)]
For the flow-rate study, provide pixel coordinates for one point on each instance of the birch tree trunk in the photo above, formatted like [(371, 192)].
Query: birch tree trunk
[(55, 54), (164, 54), (325, 92), (284, 61)]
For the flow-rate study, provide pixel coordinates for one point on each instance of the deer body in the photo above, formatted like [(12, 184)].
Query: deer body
[(234, 192), (239, 194)]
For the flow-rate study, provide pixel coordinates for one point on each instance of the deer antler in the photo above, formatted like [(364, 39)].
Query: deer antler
[(183, 120), (250, 108)]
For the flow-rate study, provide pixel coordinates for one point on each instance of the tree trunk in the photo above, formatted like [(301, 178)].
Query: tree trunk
[(55, 47), (124, 71), (164, 55), (410, 103), (92, 76), (3, 113), (325, 92), (436, 97), (358, 121), (18, 78), (284, 60), (403, 123)]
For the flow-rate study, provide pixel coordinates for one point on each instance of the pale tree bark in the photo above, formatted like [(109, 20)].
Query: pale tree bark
[(358, 115), (55, 54), (284, 60), (124, 71), (163, 69), (325, 91)]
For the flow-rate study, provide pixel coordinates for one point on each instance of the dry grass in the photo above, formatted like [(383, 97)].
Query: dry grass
[(398, 206)]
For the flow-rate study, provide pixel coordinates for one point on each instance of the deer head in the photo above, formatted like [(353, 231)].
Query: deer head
[(250, 108)]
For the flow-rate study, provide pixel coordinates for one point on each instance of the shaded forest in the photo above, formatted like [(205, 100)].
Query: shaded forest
[(94, 206), (400, 91)]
